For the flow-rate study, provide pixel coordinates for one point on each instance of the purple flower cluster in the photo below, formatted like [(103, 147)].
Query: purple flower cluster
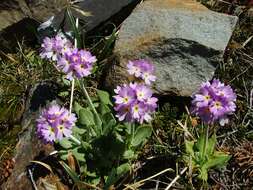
[(134, 102), (142, 69), (71, 61), (214, 102), (55, 123), (78, 63), (53, 48)]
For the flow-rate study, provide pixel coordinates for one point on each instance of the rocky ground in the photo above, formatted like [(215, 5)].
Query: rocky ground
[(188, 42)]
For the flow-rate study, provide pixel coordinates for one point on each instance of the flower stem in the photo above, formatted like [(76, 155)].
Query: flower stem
[(132, 130), (86, 94), (75, 140), (72, 95), (73, 81), (206, 141)]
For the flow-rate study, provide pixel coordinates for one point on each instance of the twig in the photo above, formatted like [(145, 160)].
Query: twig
[(32, 180), (184, 126), (251, 99), (224, 2), (5, 151), (176, 178), (247, 41), (240, 74), (140, 183)]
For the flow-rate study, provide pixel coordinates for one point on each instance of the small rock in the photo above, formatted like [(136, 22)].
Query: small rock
[(29, 146), (183, 39)]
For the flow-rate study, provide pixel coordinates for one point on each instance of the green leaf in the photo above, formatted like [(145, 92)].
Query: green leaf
[(86, 117), (78, 130), (64, 94), (65, 143), (200, 144), (217, 160), (104, 109), (108, 117), (109, 123), (79, 156), (189, 148), (63, 154), (86, 146), (116, 174), (108, 44), (71, 173), (141, 134), (65, 81), (129, 154), (104, 97), (201, 149), (77, 107), (73, 27), (203, 173), (211, 145)]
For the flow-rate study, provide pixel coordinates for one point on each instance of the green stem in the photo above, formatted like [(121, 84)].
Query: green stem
[(132, 132), (75, 140), (91, 105), (206, 141), (73, 81), (72, 95)]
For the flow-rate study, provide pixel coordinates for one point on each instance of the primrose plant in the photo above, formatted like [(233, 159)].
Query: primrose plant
[(212, 103), (102, 145)]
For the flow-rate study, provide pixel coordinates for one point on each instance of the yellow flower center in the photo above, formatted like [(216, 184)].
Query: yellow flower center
[(140, 94), (217, 104), (136, 108), (60, 127), (146, 75), (51, 130), (207, 97), (126, 99)]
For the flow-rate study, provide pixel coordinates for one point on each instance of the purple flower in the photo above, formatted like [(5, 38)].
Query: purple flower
[(134, 102), (134, 68), (47, 48), (71, 61), (148, 77), (87, 57), (143, 93), (76, 63), (81, 63), (126, 95), (214, 102), (142, 69), (55, 123), (53, 48)]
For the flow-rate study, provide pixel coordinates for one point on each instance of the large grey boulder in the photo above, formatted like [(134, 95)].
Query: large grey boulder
[(183, 39)]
